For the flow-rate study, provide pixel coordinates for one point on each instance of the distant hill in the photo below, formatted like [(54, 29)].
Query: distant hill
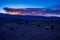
[(21, 17)]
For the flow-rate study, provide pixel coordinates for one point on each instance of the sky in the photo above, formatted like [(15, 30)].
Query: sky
[(27, 3)]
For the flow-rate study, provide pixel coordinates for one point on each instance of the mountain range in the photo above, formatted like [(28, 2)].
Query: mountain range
[(26, 17)]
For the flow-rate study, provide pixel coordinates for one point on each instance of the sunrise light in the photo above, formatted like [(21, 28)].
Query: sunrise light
[(14, 13)]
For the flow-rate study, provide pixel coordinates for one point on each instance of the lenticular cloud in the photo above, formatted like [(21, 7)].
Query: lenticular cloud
[(54, 12)]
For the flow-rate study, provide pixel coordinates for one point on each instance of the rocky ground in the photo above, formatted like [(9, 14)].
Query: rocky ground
[(29, 30)]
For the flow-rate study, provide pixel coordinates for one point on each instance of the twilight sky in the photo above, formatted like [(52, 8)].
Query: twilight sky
[(28, 3)]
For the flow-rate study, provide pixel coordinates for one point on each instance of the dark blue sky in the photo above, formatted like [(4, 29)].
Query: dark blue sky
[(28, 3)]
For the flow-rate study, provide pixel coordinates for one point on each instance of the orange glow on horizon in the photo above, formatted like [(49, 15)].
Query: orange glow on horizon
[(15, 13), (34, 14)]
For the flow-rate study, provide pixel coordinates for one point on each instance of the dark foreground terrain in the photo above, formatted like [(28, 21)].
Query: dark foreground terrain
[(16, 29)]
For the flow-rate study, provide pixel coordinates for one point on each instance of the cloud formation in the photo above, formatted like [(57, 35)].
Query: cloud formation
[(55, 12)]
